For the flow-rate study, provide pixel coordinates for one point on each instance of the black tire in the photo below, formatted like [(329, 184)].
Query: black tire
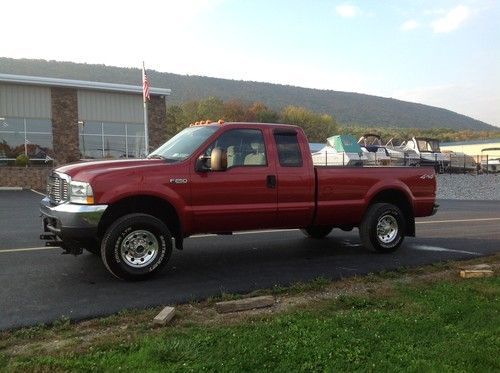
[(392, 223), (317, 232), (136, 246)]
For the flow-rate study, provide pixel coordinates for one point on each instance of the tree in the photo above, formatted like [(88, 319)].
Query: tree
[(175, 120), (236, 111), (259, 112), (318, 127)]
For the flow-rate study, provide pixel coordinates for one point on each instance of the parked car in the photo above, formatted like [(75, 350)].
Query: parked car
[(221, 178)]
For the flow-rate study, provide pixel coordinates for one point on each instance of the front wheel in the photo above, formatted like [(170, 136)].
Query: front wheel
[(136, 246), (382, 228), (317, 231)]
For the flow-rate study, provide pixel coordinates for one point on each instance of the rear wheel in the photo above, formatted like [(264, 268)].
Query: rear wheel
[(317, 231), (382, 228), (136, 246)]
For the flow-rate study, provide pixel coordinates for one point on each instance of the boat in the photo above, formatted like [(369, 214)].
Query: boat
[(490, 163), (429, 151), (460, 162), (375, 152), (339, 150), (401, 156)]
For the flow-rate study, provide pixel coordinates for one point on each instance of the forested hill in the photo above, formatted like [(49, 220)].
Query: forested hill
[(346, 108)]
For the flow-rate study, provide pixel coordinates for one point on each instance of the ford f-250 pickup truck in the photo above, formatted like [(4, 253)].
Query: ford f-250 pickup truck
[(220, 178)]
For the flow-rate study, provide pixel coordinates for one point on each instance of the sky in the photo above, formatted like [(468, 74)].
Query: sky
[(444, 53)]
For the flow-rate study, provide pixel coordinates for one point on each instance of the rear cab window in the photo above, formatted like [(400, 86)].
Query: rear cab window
[(288, 147)]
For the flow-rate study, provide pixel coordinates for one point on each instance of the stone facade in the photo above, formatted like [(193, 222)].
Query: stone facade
[(25, 177), (157, 121), (65, 124)]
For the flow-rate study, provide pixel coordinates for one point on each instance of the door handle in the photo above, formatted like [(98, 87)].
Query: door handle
[(271, 181)]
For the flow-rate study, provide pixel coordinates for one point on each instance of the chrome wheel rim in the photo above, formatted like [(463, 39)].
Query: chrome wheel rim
[(387, 229), (139, 248)]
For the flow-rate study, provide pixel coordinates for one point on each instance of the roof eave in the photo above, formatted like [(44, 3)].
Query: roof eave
[(79, 84)]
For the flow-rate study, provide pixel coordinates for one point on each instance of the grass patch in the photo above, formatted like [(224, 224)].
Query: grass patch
[(447, 324)]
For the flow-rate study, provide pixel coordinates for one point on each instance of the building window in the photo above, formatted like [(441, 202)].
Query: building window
[(111, 140), (30, 136)]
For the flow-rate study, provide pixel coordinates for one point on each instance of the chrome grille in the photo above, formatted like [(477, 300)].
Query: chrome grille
[(57, 189)]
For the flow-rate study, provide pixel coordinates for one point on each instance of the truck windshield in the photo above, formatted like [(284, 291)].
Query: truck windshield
[(182, 145)]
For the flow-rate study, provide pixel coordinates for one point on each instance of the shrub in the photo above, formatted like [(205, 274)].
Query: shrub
[(22, 160)]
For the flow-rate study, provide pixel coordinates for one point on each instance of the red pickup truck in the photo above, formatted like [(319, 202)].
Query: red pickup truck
[(221, 178)]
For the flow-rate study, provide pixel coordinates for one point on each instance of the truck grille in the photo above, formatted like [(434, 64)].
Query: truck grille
[(57, 189)]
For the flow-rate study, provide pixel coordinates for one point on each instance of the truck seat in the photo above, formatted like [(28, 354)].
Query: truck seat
[(231, 156), (257, 157)]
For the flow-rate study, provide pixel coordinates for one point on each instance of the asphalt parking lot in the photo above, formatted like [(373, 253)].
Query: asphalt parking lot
[(41, 285)]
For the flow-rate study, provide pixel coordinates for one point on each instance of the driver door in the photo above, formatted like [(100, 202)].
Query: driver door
[(241, 197)]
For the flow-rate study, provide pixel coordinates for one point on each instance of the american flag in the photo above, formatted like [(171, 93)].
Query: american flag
[(145, 85)]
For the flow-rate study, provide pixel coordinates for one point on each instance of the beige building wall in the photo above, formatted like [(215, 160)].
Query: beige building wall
[(475, 149)]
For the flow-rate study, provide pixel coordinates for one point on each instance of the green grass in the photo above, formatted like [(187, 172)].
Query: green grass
[(445, 326)]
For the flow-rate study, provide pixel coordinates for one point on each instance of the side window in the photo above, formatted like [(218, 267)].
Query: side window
[(289, 154), (244, 147)]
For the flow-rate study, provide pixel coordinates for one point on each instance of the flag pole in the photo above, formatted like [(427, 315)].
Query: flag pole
[(146, 135)]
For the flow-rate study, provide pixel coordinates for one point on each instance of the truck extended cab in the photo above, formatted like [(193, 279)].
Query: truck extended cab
[(221, 178)]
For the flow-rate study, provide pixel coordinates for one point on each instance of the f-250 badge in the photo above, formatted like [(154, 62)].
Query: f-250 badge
[(178, 181)]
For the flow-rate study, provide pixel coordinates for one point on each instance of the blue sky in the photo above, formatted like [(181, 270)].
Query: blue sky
[(442, 53)]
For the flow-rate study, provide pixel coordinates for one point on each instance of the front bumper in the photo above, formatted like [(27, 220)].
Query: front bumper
[(71, 222)]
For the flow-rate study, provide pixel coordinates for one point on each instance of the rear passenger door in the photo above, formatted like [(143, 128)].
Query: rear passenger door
[(241, 196), (295, 180)]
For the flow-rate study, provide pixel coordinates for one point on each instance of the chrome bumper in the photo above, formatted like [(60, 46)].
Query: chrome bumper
[(70, 217)]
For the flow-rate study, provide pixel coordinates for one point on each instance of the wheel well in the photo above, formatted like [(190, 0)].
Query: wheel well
[(398, 198), (154, 206)]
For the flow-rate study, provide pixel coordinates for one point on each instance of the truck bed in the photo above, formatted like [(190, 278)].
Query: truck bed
[(343, 193)]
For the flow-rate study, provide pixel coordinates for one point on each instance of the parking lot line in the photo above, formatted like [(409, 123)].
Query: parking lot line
[(456, 221), (37, 192), (29, 249)]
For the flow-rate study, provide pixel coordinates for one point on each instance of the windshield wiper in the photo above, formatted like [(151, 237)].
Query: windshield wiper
[(159, 156), (156, 156)]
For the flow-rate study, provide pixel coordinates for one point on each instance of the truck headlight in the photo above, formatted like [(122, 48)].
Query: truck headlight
[(81, 192)]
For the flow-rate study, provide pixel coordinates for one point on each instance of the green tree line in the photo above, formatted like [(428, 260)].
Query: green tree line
[(317, 126)]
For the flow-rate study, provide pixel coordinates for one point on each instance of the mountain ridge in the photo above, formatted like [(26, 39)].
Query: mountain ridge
[(346, 107)]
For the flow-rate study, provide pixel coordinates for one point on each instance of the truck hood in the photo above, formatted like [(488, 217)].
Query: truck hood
[(85, 171)]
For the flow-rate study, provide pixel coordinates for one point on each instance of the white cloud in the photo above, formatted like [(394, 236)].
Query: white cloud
[(451, 20), (347, 10), (411, 24)]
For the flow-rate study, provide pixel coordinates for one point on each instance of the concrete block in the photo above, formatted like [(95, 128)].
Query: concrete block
[(244, 304), (476, 273), (164, 316)]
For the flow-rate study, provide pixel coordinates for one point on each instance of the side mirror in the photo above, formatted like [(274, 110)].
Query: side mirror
[(203, 164), (218, 160)]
